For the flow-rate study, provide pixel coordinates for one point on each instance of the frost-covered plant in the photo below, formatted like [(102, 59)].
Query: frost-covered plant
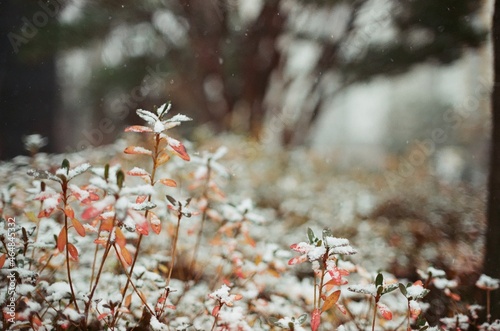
[(51, 201), (377, 290), (324, 255), (488, 284)]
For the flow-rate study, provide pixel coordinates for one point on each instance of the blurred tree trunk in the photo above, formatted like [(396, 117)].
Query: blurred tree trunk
[(492, 255), (27, 81)]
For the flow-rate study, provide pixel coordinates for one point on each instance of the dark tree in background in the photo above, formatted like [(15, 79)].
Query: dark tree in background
[(492, 256), (28, 85)]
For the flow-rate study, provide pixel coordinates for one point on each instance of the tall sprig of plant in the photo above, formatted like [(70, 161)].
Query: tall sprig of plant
[(53, 201), (324, 254), (162, 146)]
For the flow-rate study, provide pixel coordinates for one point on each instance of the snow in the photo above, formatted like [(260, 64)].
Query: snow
[(487, 283), (58, 291)]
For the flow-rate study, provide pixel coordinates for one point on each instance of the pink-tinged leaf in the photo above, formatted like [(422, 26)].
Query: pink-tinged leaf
[(137, 150), (297, 260), (384, 311), (142, 228), (3, 258), (73, 252), (341, 308), (140, 199), (138, 172), (168, 182), (315, 319), (215, 311), (179, 148), (90, 213), (61, 239), (155, 222), (331, 300), (103, 315), (69, 211), (78, 227), (138, 128)]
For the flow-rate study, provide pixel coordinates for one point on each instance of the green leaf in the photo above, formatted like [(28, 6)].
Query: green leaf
[(379, 281), (106, 171), (302, 318), (171, 200), (120, 178), (311, 236), (402, 288), (65, 165)]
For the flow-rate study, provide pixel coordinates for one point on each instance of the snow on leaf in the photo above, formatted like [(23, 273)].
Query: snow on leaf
[(146, 205), (69, 211), (137, 150), (384, 311), (138, 128), (148, 116), (78, 227), (179, 118), (179, 148), (136, 171), (155, 222), (78, 170), (163, 109), (487, 283)]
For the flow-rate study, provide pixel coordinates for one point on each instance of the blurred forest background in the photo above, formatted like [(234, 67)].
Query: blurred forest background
[(360, 80)]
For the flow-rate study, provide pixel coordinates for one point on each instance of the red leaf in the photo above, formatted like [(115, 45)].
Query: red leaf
[(179, 148), (78, 227), (103, 315), (138, 172), (90, 212), (142, 228), (73, 252), (137, 150), (155, 222), (3, 258), (331, 300), (61, 239), (215, 311), (141, 198), (168, 182), (315, 319), (69, 211), (138, 128), (384, 311)]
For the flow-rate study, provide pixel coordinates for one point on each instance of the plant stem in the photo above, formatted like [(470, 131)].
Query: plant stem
[(138, 246), (174, 247), (488, 311), (64, 187), (203, 217), (374, 313)]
